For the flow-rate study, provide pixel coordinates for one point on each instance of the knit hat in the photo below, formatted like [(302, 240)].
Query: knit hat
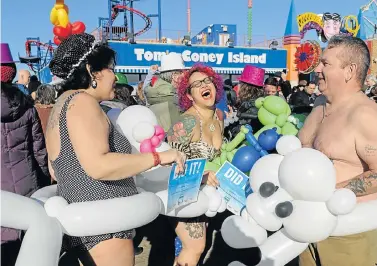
[(71, 53)]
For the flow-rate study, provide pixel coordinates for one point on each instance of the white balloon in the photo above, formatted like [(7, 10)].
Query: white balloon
[(163, 147), (307, 174), (236, 263), (362, 219), (280, 249), (342, 202), (55, 205), (279, 196), (210, 214), (142, 131), (287, 144), (107, 216), (265, 218), (194, 209), (214, 197), (266, 169), (310, 222), (239, 233), (133, 115), (222, 207), (45, 193)]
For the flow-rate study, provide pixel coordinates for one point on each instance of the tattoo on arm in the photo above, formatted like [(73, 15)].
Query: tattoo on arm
[(195, 229), (362, 185), (182, 131)]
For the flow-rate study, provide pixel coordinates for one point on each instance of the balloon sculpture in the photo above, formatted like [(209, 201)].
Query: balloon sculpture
[(63, 28), (295, 189), (240, 154), (139, 124), (274, 112)]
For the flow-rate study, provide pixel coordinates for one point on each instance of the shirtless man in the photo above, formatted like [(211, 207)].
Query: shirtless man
[(345, 129)]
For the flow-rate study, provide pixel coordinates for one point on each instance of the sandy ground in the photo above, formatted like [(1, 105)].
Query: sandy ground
[(157, 239)]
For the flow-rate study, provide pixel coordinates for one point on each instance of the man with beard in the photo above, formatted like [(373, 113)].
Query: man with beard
[(345, 129)]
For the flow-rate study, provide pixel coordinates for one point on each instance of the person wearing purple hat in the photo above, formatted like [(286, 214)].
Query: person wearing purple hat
[(24, 166), (250, 89)]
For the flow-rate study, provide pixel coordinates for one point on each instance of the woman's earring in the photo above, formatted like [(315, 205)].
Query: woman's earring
[(94, 84)]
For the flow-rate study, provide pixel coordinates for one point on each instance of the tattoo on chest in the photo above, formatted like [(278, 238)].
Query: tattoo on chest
[(182, 131), (370, 151), (195, 230)]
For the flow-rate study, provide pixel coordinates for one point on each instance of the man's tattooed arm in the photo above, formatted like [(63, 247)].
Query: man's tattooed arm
[(362, 185), (366, 183)]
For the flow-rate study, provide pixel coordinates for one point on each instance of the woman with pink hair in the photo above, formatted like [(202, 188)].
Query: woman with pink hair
[(199, 134)]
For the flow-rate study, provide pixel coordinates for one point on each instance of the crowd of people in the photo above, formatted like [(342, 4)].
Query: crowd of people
[(61, 134)]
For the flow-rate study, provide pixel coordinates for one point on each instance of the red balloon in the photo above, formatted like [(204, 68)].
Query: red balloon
[(63, 32), (57, 41), (78, 27)]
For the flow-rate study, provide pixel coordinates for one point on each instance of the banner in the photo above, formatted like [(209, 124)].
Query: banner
[(234, 187), (184, 189), (145, 55)]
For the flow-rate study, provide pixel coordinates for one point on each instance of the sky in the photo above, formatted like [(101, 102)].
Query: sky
[(24, 18)]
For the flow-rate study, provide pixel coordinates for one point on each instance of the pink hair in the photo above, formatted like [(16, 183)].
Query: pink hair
[(184, 102)]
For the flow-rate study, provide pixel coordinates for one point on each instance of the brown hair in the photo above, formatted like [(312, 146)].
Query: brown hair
[(140, 90), (249, 92)]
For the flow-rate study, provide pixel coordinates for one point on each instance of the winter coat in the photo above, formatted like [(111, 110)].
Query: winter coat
[(24, 167)]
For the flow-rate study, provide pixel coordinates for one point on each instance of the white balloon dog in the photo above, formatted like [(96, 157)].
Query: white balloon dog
[(295, 189), (138, 123)]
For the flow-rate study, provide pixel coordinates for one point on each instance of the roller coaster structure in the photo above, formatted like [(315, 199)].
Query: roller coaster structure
[(38, 54), (126, 32)]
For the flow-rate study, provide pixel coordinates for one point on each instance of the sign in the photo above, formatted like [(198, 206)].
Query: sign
[(306, 18), (145, 55), (234, 187), (184, 189)]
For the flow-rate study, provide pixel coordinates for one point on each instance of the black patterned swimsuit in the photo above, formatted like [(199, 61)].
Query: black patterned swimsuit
[(75, 185)]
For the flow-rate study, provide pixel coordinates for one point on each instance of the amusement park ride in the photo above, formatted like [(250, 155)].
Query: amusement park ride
[(38, 54)]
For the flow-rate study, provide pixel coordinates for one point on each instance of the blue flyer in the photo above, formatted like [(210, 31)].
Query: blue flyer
[(184, 189), (234, 187)]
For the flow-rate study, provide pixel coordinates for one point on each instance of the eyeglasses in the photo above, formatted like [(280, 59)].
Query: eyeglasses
[(199, 83)]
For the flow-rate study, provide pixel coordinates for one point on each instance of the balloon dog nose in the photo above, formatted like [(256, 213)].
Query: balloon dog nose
[(284, 209), (267, 189)]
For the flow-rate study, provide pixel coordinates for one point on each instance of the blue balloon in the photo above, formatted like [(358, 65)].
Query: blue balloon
[(268, 138), (245, 158)]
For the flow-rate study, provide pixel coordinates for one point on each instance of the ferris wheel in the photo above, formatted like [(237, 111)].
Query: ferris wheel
[(370, 18)]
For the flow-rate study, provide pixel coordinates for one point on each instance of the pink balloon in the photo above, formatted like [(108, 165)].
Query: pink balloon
[(146, 146), (159, 130), (155, 141)]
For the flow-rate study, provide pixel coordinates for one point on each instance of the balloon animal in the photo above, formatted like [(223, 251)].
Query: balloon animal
[(255, 150), (274, 112), (139, 124), (295, 189), (46, 216), (62, 27)]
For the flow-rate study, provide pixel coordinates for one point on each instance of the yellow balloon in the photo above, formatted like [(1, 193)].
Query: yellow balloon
[(62, 17), (54, 17), (66, 9), (351, 24)]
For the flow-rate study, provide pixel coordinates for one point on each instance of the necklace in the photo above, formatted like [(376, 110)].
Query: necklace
[(212, 127)]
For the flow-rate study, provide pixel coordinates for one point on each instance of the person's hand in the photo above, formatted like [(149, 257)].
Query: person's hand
[(174, 156), (154, 68), (209, 178), (230, 113)]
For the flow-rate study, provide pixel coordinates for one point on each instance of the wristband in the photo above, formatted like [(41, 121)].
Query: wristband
[(156, 157)]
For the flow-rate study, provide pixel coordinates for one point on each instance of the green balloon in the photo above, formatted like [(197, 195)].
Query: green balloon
[(281, 120), (211, 166), (217, 160), (266, 117), (289, 129), (276, 105), (259, 102)]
